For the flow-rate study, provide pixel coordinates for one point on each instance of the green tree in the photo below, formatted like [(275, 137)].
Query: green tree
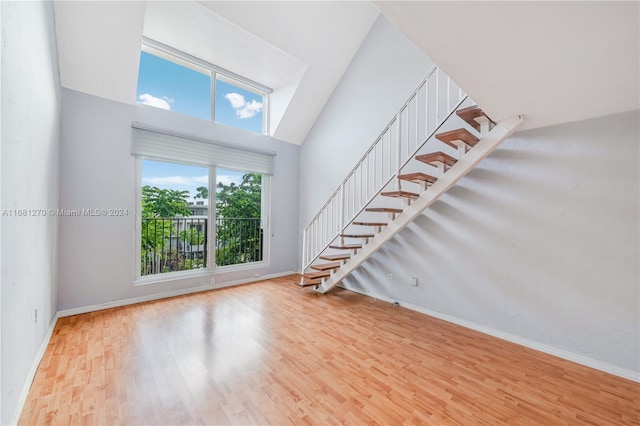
[(192, 236), (159, 207), (164, 203), (238, 233), (203, 192), (240, 201)]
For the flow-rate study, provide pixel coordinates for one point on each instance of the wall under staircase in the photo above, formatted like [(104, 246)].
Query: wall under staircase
[(537, 244), (342, 233)]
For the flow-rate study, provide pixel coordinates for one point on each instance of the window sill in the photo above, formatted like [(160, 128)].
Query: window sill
[(174, 276), (240, 267), (171, 276)]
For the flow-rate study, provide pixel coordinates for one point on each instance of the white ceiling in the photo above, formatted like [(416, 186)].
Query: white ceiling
[(94, 57), (299, 49), (554, 62), (324, 35), (192, 28)]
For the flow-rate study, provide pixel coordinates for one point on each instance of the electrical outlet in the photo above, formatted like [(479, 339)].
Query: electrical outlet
[(390, 276), (414, 281), (212, 280)]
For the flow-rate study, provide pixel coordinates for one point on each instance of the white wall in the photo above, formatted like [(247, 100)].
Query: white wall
[(98, 171), (380, 78), (30, 169), (1, 56), (539, 241)]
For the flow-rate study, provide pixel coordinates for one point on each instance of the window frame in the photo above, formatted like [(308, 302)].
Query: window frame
[(211, 270), (215, 72)]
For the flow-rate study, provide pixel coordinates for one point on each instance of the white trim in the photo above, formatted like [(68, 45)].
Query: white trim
[(137, 225), (86, 309), (165, 295), (265, 217), (260, 264), (171, 276), (171, 54), (579, 359), (213, 223), (175, 147), (34, 369), (531, 344)]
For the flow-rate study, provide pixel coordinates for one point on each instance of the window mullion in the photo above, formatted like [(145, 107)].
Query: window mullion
[(213, 96), (212, 228), (265, 114)]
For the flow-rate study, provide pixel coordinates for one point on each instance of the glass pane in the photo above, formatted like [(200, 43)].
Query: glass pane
[(239, 235), (175, 215), (238, 107), (167, 85)]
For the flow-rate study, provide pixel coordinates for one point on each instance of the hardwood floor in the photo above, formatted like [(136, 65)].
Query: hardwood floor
[(274, 353)]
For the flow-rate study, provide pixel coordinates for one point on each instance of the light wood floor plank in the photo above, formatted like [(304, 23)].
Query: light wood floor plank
[(274, 353)]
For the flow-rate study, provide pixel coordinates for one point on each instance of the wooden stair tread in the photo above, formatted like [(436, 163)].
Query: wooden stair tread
[(370, 223), (357, 235), (341, 256), (400, 194), (437, 157), (314, 275), (307, 283), (457, 135), (469, 115), (418, 177), (347, 247), (326, 266), (383, 210)]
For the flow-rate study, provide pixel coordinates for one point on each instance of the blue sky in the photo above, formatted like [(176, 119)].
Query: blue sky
[(166, 85), (169, 86), (183, 177)]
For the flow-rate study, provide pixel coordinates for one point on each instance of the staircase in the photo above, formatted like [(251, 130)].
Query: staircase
[(435, 139)]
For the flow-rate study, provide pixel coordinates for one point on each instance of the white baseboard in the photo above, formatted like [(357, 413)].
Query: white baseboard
[(157, 296), (124, 302), (33, 371), (560, 353)]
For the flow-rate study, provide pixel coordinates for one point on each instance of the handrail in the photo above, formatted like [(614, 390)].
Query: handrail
[(388, 180), (422, 82), (407, 125)]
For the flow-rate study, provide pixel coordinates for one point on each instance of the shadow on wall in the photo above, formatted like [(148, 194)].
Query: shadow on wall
[(540, 240)]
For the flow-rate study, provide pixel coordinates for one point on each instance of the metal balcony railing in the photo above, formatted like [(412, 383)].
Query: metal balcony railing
[(173, 244), (238, 240), (181, 243)]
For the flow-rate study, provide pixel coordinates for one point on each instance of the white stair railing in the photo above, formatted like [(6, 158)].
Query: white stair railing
[(428, 107)]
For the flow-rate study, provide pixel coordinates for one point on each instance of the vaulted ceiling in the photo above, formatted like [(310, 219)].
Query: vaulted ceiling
[(554, 62), (299, 49)]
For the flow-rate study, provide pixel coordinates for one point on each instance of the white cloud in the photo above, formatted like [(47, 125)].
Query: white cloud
[(227, 179), (162, 103), (236, 100), (176, 180), (243, 108)]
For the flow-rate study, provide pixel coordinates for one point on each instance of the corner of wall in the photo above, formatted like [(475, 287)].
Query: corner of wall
[(29, 177)]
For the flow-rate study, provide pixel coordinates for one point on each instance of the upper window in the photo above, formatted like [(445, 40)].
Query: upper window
[(165, 84), (171, 82), (238, 107)]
